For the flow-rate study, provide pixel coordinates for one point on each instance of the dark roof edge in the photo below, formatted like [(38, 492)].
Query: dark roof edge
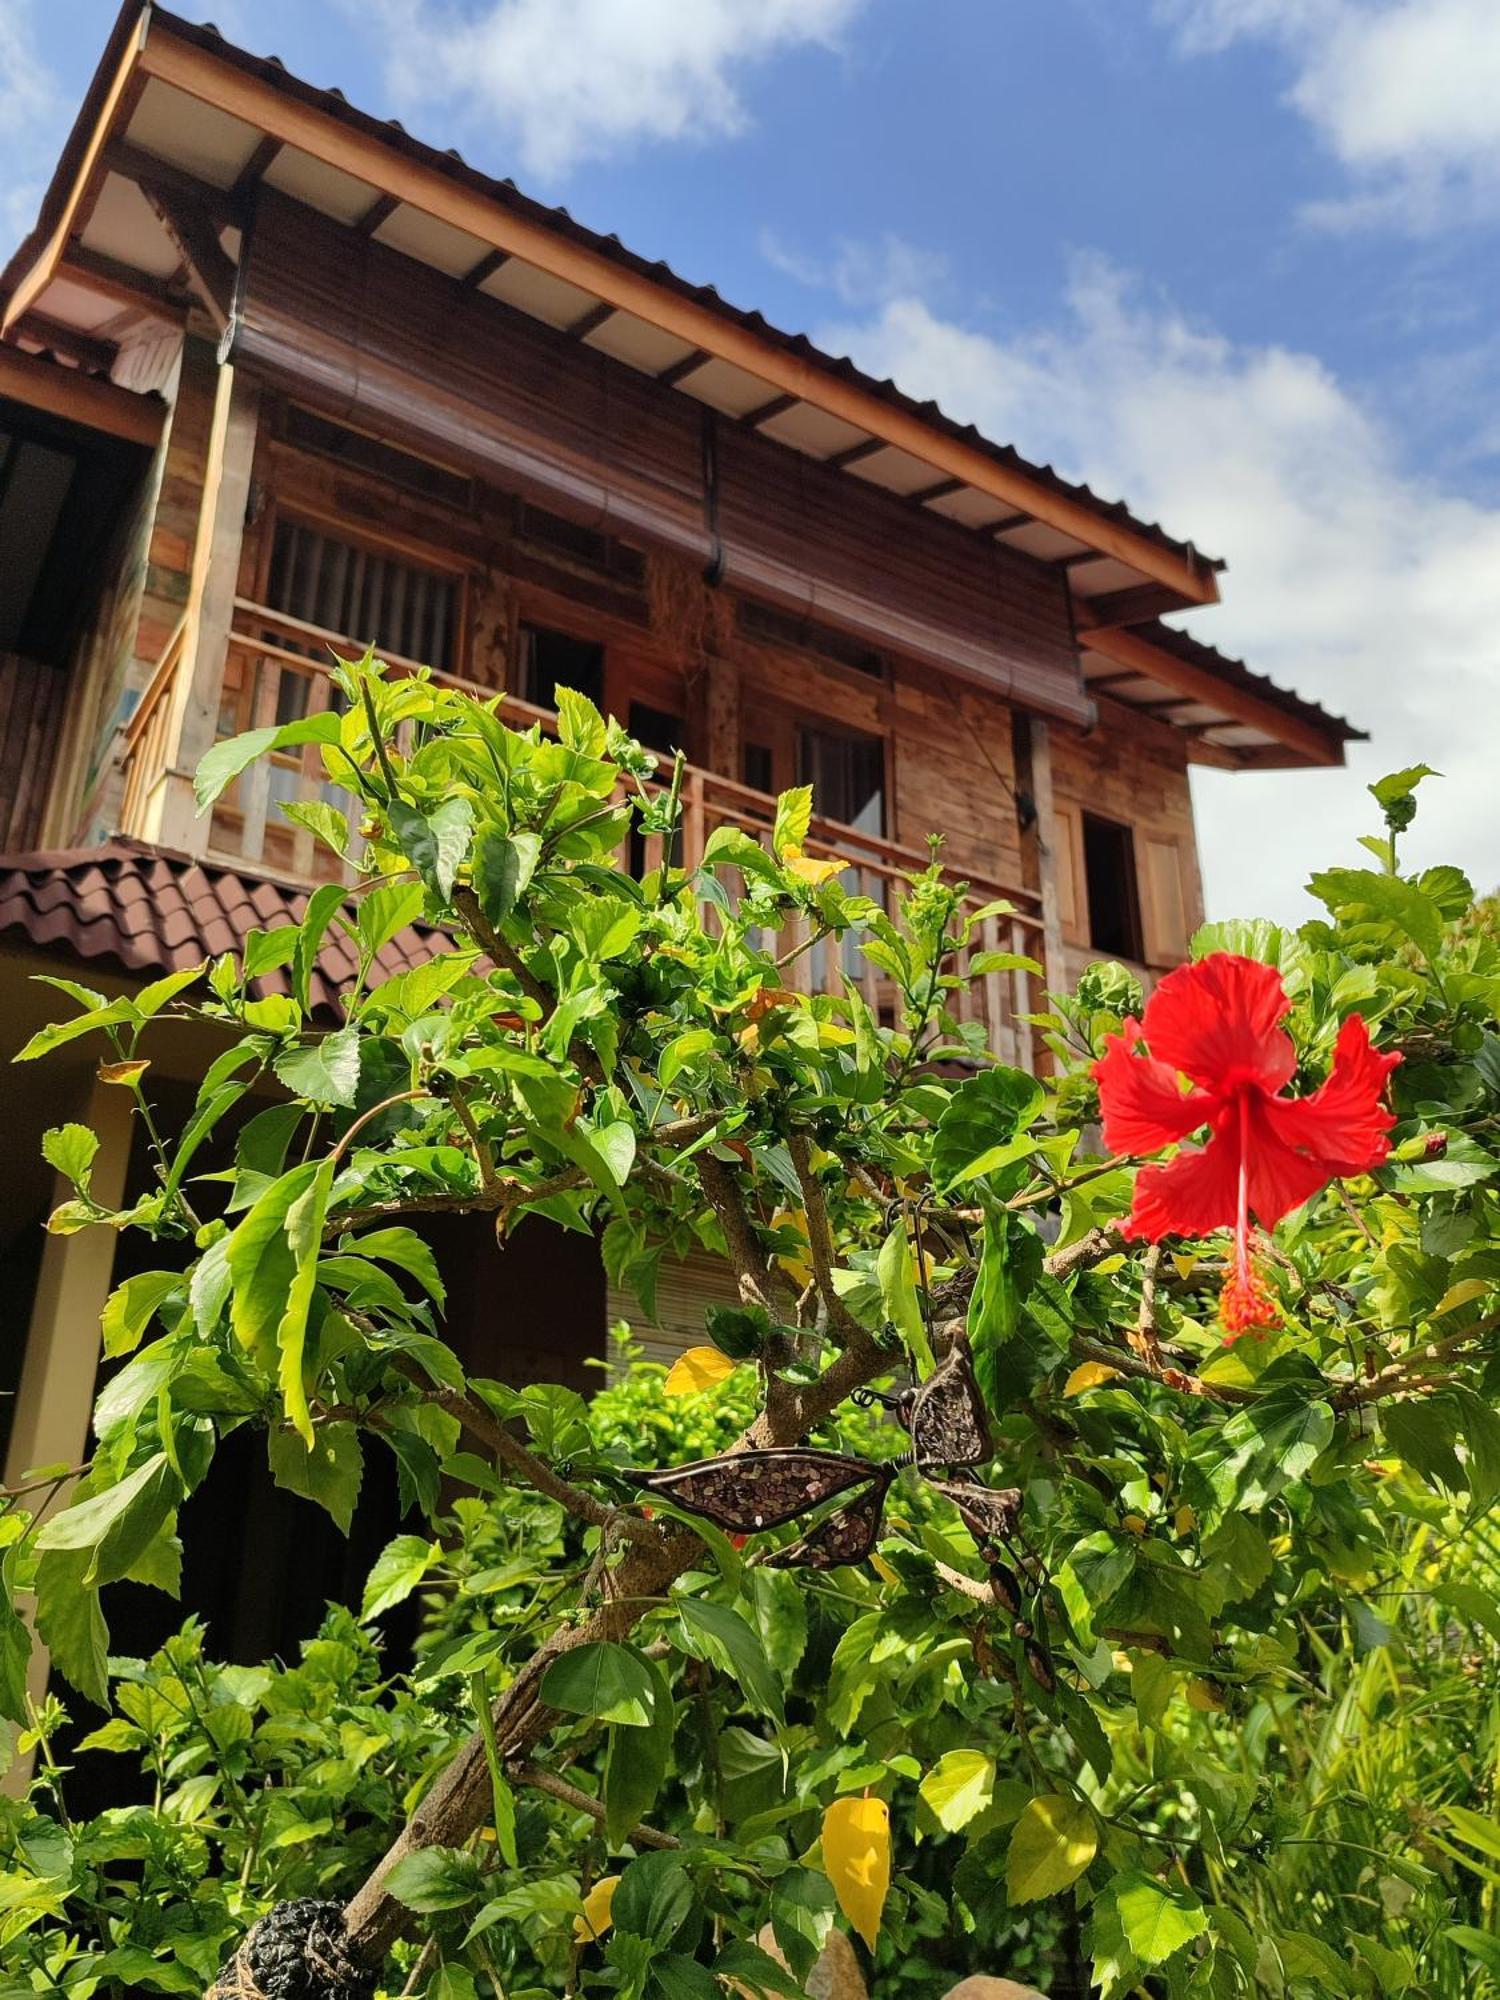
[(1234, 673)]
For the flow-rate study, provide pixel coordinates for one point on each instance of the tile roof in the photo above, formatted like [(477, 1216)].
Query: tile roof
[(131, 908)]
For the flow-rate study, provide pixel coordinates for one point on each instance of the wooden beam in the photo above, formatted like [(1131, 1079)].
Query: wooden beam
[(1132, 649), (1005, 523), (80, 399), (334, 140), (853, 453), (940, 491), (1136, 606), (194, 237), (125, 87), (487, 266), (60, 338), (765, 412), (680, 370), (133, 163), (253, 172), (380, 210), (591, 321), (139, 291)]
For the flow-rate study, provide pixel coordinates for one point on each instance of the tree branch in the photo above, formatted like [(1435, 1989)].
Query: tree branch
[(541, 1780)]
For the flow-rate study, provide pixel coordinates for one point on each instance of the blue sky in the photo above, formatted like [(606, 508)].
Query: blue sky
[(1234, 260)]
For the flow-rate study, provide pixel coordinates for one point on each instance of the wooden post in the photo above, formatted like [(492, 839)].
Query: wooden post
[(55, 1398), (170, 815), (1045, 836), (721, 719)]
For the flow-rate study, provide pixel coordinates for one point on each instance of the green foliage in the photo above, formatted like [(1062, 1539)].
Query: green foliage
[(1222, 1718)]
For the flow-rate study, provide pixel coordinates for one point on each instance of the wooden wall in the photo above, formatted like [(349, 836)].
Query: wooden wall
[(1132, 770)]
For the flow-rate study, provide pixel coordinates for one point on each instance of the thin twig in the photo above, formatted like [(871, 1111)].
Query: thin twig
[(541, 1780)]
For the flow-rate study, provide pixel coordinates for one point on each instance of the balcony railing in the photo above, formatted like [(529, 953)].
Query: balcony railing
[(277, 672)]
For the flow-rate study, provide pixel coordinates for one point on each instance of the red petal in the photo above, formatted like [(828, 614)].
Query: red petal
[(1196, 1192), (1218, 1022), (1343, 1124), (1280, 1178), (1144, 1108)]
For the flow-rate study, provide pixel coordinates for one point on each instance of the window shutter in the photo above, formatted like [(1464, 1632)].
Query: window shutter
[(1065, 837), (1164, 918)]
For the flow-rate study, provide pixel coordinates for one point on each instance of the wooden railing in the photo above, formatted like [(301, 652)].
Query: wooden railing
[(278, 671), (148, 746)]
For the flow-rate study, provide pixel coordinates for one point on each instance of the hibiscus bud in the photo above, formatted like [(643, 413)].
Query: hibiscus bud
[(1437, 1146)]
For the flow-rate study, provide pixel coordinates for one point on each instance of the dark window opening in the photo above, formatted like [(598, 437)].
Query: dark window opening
[(847, 774), (1109, 873), (550, 660), (758, 767), (353, 448), (588, 546), (367, 597), (784, 628)]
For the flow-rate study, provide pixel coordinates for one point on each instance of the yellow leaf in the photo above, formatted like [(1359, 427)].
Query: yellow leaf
[(857, 1860), (1134, 1524), (1205, 1697), (1461, 1294), (803, 868), (700, 1368), (884, 1571), (1185, 1262), (1088, 1375), (797, 1266), (594, 1919), (126, 1072), (1186, 1520)]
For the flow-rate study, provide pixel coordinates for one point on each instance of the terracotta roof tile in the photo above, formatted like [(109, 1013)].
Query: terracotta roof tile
[(127, 907)]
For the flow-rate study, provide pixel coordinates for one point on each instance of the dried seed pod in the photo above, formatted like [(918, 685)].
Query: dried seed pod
[(1039, 1666)]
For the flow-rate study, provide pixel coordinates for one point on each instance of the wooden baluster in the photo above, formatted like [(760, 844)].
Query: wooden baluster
[(1022, 999), (694, 828), (255, 784), (1001, 1032)]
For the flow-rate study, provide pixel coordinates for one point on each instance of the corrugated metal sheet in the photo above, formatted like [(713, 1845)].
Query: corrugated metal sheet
[(684, 1291)]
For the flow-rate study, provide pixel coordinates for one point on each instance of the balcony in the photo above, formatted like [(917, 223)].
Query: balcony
[(276, 672)]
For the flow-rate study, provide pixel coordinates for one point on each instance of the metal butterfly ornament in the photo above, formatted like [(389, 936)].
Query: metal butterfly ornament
[(747, 1491)]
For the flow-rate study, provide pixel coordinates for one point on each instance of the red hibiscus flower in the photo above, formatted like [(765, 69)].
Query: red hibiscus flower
[(1218, 1023)]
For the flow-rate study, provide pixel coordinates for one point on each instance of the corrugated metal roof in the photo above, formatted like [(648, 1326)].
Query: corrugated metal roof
[(1234, 673), (145, 911)]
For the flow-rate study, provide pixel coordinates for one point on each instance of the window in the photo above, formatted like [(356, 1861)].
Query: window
[(550, 660), (758, 767), (662, 732), (365, 595), (585, 546), (1109, 877), (847, 774)]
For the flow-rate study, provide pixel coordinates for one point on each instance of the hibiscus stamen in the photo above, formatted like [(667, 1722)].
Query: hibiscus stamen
[(1246, 1302)]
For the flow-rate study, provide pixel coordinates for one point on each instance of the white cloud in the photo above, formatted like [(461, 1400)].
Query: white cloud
[(30, 111), (1405, 93), (1358, 583), (861, 272), (572, 80)]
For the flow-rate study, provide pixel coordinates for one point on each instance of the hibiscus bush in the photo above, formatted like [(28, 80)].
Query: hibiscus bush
[(1082, 1568)]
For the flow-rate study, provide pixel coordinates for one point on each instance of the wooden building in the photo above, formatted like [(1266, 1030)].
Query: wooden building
[(275, 376)]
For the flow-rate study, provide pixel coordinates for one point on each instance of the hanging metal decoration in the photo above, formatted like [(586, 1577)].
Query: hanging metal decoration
[(747, 1491)]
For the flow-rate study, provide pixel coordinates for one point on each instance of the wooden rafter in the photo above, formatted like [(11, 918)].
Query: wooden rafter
[(79, 399), (764, 413), (196, 241), (1136, 606), (853, 453), (134, 163), (253, 172), (69, 341), (591, 321), (1185, 677), (123, 284), (680, 370)]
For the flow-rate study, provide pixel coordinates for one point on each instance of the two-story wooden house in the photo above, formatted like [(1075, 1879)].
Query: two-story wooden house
[(276, 377)]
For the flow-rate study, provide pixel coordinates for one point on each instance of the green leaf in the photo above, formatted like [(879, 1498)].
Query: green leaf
[(304, 1234), (675, 1976), (70, 1623), (1270, 1445), (636, 1764), (225, 761), (602, 1679), (323, 905), (325, 1071), (1052, 1843), (959, 1786), (682, 1050), (70, 1149), (793, 818), (261, 1265), (1396, 785), (434, 843), (15, 1652), (435, 1878), (503, 867), (329, 1473), (1155, 1920), (323, 821), (1360, 896), (803, 1906), (406, 1250), (398, 1569), (385, 912), (119, 1523), (54, 1036), (129, 1308), (981, 1127), (655, 1897), (898, 1294), (718, 1633), (579, 723)]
